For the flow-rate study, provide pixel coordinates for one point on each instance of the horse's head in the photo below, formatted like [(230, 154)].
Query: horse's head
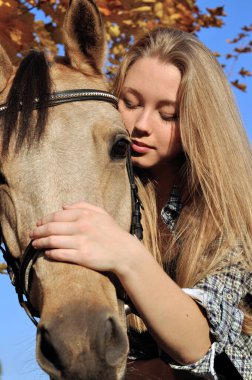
[(59, 154)]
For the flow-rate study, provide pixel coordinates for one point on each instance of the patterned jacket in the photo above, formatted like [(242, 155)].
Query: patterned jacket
[(220, 294)]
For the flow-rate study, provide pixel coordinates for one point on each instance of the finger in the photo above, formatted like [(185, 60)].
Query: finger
[(70, 215), (66, 255), (53, 228), (56, 242)]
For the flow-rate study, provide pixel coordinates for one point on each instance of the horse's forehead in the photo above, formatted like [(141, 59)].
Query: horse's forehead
[(86, 127), (93, 113), (64, 78)]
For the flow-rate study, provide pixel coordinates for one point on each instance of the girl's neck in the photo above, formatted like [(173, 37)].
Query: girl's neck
[(164, 179)]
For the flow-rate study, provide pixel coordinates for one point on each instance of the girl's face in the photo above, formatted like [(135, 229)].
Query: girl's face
[(148, 105)]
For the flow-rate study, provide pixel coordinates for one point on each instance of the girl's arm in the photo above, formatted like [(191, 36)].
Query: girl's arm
[(86, 235)]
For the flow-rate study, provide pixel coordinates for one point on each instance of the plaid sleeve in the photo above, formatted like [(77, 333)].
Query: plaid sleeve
[(221, 295)]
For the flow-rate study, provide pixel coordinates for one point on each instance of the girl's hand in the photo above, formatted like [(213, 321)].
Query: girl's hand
[(86, 235)]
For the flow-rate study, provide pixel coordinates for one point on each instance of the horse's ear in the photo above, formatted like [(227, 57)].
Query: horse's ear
[(6, 69), (84, 36)]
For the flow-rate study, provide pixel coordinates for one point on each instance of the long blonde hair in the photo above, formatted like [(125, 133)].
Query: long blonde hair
[(214, 229)]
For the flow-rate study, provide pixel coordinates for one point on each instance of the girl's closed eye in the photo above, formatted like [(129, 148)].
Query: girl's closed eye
[(168, 117), (130, 104)]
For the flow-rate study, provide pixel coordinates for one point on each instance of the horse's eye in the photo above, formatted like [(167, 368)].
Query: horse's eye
[(2, 179), (120, 148)]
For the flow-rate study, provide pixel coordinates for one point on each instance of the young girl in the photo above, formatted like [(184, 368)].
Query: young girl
[(187, 141)]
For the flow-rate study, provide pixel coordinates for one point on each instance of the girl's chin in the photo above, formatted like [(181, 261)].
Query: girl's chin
[(140, 163)]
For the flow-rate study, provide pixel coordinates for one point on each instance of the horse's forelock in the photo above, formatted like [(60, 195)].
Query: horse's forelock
[(31, 81)]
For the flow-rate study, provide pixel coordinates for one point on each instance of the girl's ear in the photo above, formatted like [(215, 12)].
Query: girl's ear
[(6, 69), (84, 36)]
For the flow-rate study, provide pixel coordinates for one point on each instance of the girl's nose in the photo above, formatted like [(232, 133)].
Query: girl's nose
[(143, 121)]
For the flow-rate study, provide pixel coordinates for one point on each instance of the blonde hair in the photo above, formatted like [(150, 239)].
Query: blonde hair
[(214, 229)]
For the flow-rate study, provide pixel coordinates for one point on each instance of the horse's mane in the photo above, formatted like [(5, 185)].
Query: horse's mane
[(31, 81)]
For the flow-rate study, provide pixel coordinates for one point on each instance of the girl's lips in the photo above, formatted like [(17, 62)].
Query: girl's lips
[(140, 147)]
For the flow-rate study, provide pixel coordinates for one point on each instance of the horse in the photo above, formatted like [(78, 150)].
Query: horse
[(62, 140)]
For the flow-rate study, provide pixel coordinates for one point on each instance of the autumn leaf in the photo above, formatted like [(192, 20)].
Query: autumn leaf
[(3, 268), (103, 7), (16, 36), (246, 49), (6, 3), (128, 4), (44, 37), (245, 73), (237, 39), (105, 11), (240, 86), (124, 21), (159, 9), (145, 8), (228, 56), (247, 28), (114, 30), (218, 11)]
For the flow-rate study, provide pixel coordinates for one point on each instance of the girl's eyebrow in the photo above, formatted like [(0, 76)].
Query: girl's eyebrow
[(168, 102), (132, 91), (161, 103)]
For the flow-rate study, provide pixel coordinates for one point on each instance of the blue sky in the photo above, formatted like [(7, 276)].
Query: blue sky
[(17, 333), (216, 38)]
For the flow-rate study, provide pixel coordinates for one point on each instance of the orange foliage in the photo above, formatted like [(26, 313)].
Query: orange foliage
[(124, 20), (2, 271), (240, 86)]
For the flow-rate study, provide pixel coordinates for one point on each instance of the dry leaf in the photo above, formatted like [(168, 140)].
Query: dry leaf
[(246, 49), (144, 8), (247, 28), (218, 11), (240, 86), (245, 73), (124, 21), (3, 268)]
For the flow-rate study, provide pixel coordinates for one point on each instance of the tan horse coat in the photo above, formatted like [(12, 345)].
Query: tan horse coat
[(81, 334)]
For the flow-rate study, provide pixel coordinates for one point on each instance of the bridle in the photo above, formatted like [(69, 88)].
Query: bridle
[(20, 273)]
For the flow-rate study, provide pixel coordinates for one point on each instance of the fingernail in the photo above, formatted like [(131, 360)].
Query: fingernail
[(34, 245), (66, 205)]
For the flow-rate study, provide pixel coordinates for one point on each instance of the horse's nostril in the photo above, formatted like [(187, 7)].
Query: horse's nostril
[(82, 351), (47, 349), (115, 342)]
